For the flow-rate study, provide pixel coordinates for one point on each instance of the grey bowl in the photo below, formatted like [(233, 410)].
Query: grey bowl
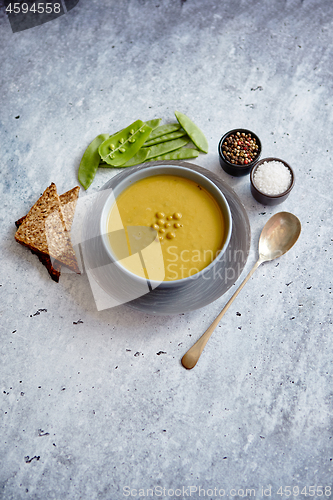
[(186, 295), (166, 169)]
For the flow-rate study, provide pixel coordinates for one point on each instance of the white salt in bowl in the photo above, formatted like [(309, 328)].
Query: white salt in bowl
[(271, 175)]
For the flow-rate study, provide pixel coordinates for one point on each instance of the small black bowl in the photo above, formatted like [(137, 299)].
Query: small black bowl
[(267, 199), (233, 168)]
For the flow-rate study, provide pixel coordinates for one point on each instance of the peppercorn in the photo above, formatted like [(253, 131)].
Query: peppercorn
[(240, 148)]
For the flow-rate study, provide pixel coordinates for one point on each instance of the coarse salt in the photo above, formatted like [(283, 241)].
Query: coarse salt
[(272, 178)]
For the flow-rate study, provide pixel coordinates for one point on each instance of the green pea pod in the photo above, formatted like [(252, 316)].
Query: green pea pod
[(194, 133), (121, 147), (178, 154), (154, 123), (90, 161), (138, 158), (165, 138), (164, 129), (166, 147), (151, 123)]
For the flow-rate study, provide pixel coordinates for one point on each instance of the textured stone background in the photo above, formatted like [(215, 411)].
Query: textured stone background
[(93, 399)]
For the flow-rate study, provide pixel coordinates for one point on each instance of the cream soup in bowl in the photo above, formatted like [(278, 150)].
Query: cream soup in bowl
[(175, 223)]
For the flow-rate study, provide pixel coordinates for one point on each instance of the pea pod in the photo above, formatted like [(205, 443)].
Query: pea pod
[(121, 147), (166, 147), (151, 123), (90, 161), (178, 154), (194, 133), (141, 155), (165, 138), (138, 158), (164, 129), (154, 123)]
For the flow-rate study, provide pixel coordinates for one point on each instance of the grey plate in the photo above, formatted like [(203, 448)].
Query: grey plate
[(209, 286)]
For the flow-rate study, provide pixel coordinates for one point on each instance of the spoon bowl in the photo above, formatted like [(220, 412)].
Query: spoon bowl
[(279, 234)]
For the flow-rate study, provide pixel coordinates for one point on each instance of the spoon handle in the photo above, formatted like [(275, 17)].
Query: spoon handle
[(190, 358)]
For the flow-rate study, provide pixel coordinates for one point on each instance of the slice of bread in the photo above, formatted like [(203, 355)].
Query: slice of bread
[(44, 229), (68, 202)]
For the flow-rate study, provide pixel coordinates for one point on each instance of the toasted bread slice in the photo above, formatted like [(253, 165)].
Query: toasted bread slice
[(44, 229), (68, 202), (53, 268)]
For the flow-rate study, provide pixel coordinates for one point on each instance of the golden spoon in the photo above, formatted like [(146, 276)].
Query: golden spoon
[(279, 234)]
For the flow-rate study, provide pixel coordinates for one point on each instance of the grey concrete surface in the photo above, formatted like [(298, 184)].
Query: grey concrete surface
[(96, 405)]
